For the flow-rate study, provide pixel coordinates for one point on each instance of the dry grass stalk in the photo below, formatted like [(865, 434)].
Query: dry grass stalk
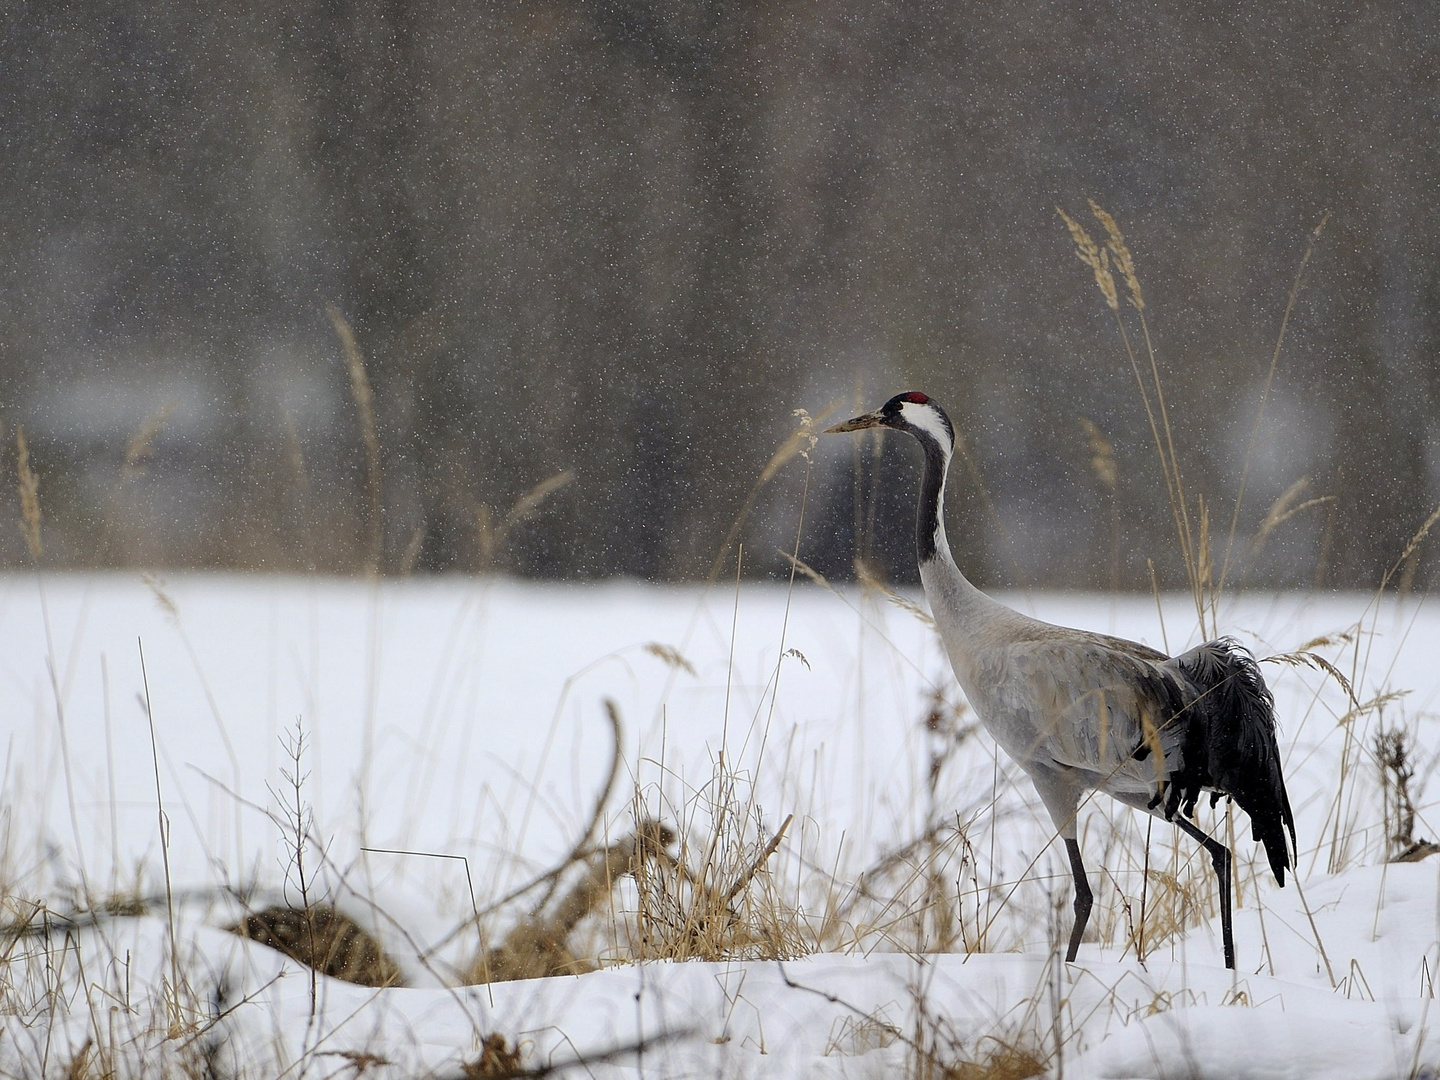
[(1205, 568), (938, 1051), (1003, 1061), (1408, 570), (868, 580), (1157, 414), (807, 570), (854, 1036), (412, 552), (81, 1067), (1176, 901), (163, 599), (295, 452), (364, 399), (1107, 471), (907, 863), (1410, 548), (29, 494), (141, 445), (797, 444), (1265, 394), (1310, 659), (1205, 579), (938, 923), (538, 944), (489, 536), (1331, 640), (525, 506), (1282, 510)]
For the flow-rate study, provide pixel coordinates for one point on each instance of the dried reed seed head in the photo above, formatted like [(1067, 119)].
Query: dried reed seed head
[(1102, 454), (1337, 637), (801, 566), (29, 494), (671, 656), (1093, 256), (799, 442), (156, 585), (806, 432), (1120, 252)]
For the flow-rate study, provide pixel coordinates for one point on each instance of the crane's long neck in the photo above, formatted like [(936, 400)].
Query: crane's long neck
[(930, 542), (960, 609)]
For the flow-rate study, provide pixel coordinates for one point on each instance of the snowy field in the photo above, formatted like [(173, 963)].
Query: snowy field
[(461, 726)]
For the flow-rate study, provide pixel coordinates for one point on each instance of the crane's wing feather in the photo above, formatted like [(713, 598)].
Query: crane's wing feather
[(1090, 703)]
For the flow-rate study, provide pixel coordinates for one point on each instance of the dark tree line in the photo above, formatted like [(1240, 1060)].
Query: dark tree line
[(625, 238)]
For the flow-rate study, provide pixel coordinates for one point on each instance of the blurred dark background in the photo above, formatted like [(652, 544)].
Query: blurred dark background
[(626, 238)]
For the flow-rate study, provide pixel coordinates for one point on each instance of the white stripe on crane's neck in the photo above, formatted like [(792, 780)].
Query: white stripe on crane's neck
[(931, 429), (927, 419)]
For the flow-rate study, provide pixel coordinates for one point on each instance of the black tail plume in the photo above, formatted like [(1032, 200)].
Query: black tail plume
[(1232, 732)]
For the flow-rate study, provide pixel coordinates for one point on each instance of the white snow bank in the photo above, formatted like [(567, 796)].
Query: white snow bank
[(464, 718)]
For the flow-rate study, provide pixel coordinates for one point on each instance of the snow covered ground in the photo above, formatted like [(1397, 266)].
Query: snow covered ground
[(465, 718)]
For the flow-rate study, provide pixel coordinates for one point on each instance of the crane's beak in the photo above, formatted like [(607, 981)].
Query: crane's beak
[(859, 423)]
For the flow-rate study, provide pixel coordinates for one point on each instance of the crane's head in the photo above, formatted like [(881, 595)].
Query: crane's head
[(913, 413)]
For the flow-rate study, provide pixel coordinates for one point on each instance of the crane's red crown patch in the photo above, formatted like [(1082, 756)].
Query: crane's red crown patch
[(915, 398)]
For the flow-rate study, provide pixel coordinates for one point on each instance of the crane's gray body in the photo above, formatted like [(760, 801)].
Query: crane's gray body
[(1070, 707)]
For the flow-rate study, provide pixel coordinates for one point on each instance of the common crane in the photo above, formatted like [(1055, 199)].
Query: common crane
[(1080, 711)]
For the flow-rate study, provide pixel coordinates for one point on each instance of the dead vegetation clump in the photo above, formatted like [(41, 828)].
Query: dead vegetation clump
[(716, 899), (937, 1051), (1005, 1061), (498, 1060), (539, 944), (324, 939), (711, 899), (1397, 775)]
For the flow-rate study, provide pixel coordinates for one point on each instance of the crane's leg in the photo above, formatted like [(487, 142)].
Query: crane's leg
[(1220, 859), (1084, 899), (1060, 791)]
